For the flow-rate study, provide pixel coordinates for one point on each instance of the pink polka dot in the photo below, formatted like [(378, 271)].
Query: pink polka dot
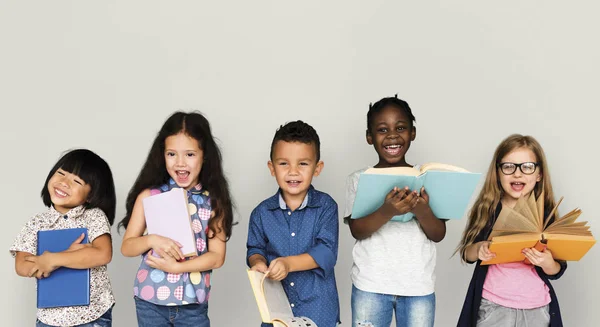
[(207, 296), (178, 293), (163, 293), (196, 226), (206, 230), (201, 295), (141, 275), (207, 280), (200, 244), (147, 292), (154, 191), (173, 278)]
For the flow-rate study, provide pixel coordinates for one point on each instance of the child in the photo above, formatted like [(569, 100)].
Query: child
[(171, 290), (511, 294), (293, 235), (394, 262), (79, 193)]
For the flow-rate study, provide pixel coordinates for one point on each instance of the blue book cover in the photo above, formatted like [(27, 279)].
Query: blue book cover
[(450, 189), (65, 286)]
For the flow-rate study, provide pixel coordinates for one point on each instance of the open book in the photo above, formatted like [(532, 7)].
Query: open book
[(273, 304), (167, 215), (524, 226), (450, 189)]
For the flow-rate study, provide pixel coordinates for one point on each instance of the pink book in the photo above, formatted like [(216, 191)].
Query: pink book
[(167, 215)]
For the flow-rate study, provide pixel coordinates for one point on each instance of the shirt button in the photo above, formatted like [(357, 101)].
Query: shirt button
[(293, 234), (65, 216), (292, 284), (289, 213), (292, 305)]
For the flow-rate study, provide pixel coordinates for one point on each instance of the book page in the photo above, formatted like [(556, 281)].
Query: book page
[(276, 299), (441, 167), (256, 279), (407, 171)]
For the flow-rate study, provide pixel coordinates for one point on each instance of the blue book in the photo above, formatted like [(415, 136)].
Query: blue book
[(65, 286), (450, 189)]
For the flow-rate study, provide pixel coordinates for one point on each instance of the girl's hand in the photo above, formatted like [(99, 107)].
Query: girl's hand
[(422, 205), (544, 259), (165, 263), (278, 269), (43, 265), (399, 201), (483, 253), (168, 247), (76, 245)]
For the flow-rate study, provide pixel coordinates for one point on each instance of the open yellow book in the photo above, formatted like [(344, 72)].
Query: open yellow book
[(273, 304), (524, 226)]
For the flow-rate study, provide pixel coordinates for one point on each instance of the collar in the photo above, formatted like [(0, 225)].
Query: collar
[(194, 190), (277, 202), (72, 213)]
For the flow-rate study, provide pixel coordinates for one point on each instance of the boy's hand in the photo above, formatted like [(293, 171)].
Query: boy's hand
[(422, 205), (399, 201), (260, 267), (169, 247), (484, 253), (76, 245), (43, 265), (278, 269), (165, 263)]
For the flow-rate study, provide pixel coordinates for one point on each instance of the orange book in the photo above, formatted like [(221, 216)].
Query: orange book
[(524, 226)]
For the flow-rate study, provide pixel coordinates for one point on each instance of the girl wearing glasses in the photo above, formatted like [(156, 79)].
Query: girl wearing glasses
[(510, 294)]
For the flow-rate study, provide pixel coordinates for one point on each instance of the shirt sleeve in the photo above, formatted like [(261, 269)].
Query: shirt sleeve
[(325, 251), (26, 240), (98, 224), (351, 184), (256, 243)]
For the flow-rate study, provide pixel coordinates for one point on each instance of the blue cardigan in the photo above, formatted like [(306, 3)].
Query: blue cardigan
[(470, 310)]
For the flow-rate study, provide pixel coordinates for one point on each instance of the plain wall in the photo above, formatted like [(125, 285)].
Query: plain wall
[(105, 76)]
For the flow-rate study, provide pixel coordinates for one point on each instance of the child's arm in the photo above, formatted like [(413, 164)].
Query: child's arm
[(321, 257), (212, 259), (98, 254), (397, 202), (478, 251), (256, 244), (543, 259), (22, 266), (135, 243), (434, 228)]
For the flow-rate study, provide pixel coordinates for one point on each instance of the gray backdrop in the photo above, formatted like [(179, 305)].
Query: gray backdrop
[(106, 75)]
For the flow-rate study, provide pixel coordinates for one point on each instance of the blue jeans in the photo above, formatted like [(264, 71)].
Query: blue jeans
[(154, 315), (104, 321), (376, 310)]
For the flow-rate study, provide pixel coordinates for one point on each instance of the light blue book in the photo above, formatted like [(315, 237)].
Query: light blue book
[(450, 189)]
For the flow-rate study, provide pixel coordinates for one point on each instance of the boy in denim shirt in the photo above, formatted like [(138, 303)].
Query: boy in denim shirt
[(293, 235)]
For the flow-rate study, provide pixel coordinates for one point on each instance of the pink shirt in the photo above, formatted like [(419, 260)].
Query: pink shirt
[(515, 285)]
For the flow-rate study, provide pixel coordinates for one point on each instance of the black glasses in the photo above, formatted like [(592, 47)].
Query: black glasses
[(509, 168)]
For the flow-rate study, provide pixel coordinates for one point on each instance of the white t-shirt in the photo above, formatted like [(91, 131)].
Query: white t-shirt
[(397, 259)]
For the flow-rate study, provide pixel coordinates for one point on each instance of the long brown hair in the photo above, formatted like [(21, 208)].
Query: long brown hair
[(492, 192)]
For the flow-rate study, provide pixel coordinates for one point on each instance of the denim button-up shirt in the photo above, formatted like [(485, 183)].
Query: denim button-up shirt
[(276, 231)]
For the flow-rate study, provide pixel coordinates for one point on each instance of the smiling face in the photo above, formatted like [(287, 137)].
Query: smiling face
[(183, 159), (67, 190), (294, 164), (391, 133), (517, 184)]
